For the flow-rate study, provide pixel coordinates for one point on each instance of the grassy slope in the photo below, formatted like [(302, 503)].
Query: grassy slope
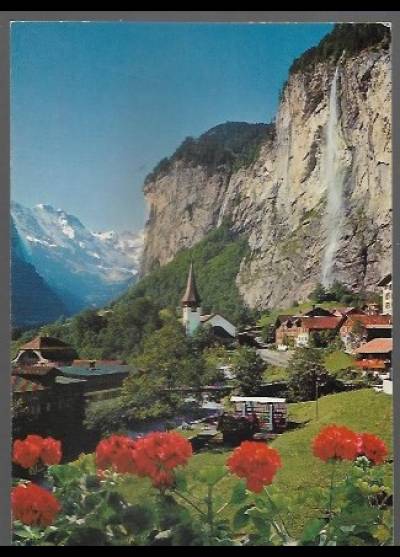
[(338, 360), (362, 410), (334, 362)]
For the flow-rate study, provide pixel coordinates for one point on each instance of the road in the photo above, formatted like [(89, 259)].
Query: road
[(275, 357)]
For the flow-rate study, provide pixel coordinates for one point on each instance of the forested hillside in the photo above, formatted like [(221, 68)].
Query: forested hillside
[(119, 330)]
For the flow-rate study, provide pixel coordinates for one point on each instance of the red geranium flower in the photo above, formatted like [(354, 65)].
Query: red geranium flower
[(51, 451), (157, 454), (116, 452), (26, 453), (257, 462), (336, 442), (34, 505), (372, 447), (29, 451)]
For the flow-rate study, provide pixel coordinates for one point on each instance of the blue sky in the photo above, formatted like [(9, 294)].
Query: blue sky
[(94, 106)]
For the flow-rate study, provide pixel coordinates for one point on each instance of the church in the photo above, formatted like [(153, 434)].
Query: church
[(192, 316)]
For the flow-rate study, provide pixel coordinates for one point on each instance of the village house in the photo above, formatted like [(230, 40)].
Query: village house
[(45, 350), (358, 328), (375, 357), (46, 403), (296, 331), (386, 289), (51, 389), (193, 317)]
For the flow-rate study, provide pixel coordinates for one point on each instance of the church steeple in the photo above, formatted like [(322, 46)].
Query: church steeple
[(191, 297)]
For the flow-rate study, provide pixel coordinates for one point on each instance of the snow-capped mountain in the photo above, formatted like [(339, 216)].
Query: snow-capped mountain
[(85, 268)]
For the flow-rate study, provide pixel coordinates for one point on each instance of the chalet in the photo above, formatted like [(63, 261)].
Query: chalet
[(361, 327), (375, 356), (288, 330), (317, 311), (193, 317), (46, 402), (45, 350), (296, 331), (386, 288)]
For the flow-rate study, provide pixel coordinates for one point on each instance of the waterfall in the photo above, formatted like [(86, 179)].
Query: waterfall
[(333, 177), (223, 209)]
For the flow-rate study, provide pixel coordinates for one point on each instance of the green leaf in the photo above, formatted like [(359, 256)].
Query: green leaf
[(241, 518), (239, 493), (260, 521), (64, 474), (181, 481), (312, 530)]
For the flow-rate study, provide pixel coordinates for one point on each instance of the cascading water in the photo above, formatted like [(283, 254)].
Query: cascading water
[(333, 177)]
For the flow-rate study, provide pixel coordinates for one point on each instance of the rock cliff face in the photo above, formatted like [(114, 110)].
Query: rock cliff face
[(283, 200)]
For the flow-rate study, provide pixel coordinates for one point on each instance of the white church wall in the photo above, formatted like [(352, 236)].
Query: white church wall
[(191, 319)]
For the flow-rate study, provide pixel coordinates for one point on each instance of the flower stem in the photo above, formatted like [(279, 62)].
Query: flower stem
[(273, 505), (210, 514), (189, 502), (331, 489)]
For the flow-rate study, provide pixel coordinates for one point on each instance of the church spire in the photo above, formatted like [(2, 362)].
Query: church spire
[(191, 297)]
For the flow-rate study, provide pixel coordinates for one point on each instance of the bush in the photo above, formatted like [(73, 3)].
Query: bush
[(236, 429)]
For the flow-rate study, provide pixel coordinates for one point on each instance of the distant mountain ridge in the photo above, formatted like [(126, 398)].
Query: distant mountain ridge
[(84, 268), (33, 302)]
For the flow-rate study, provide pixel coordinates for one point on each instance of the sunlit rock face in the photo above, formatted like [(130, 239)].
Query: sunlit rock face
[(282, 201)]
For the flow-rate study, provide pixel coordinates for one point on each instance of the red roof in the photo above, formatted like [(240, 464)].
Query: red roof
[(376, 346), (321, 322), (371, 319)]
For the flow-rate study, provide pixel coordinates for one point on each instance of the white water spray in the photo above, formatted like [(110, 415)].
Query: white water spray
[(333, 177)]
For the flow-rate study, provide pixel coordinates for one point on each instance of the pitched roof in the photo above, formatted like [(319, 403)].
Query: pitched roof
[(191, 296), (371, 319), (321, 323), (41, 342), (376, 346), (317, 311), (386, 280)]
